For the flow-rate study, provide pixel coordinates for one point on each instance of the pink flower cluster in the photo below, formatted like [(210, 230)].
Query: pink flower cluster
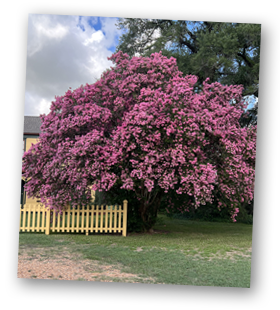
[(234, 214), (142, 127)]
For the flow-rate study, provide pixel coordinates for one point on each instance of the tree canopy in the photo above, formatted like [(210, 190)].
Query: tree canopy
[(143, 128)]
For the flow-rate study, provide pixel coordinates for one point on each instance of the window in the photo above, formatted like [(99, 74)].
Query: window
[(22, 194), (23, 146)]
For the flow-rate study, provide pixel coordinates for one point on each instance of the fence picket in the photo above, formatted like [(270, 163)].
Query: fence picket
[(63, 221), (32, 219), (83, 218), (120, 217), (115, 218), (106, 219), (92, 217), (24, 217), (68, 219), (73, 220), (28, 218), (48, 217), (111, 218), (101, 219), (96, 219), (58, 222), (124, 218), (54, 221), (87, 219)]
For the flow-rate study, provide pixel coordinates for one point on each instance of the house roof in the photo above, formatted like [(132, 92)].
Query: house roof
[(32, 125)]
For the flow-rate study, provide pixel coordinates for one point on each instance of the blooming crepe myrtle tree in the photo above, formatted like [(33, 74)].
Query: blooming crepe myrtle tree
[(143, 128)]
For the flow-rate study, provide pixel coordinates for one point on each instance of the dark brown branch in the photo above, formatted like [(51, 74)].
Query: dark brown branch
[(245, 58), (191, 35), (209, 26), (186, 43)]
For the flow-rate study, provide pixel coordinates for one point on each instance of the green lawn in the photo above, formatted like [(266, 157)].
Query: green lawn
[(179, 252)]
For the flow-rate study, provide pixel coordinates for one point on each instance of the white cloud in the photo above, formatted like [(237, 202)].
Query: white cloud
[(64, 51), (96, 37)]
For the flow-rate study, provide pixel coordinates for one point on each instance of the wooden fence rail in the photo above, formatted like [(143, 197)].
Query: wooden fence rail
[(84, 219)]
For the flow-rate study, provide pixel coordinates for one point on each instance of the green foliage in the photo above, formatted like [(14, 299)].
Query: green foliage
[(249, 207), (160, 221), (208, 212), (100, 198), (245, 214), (117, 196)]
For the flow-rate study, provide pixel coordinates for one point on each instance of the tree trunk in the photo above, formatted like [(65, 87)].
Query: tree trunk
[(148, 211)]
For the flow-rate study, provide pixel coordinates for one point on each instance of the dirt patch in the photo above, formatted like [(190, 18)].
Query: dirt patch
[(66, 266), (232, 255)]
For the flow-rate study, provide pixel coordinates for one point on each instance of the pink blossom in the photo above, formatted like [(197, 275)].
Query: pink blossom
[(142, 122)]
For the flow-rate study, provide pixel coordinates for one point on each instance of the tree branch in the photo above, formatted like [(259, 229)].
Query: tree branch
[(209, 26), (245, 58), (150, 203), (191, 34), (186, 43)]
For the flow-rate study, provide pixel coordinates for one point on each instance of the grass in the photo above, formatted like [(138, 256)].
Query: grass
[(179, 252)]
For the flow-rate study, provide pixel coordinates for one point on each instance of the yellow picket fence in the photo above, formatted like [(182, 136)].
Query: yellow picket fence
[(84, 219)]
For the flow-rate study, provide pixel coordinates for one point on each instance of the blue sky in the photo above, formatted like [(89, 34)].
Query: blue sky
[(66, 51), (96, 23)]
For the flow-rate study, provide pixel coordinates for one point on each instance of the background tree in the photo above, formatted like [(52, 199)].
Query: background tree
[(225, 52)]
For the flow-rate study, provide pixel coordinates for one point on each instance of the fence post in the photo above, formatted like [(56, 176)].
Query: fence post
[(48, 220), (124, 218)]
